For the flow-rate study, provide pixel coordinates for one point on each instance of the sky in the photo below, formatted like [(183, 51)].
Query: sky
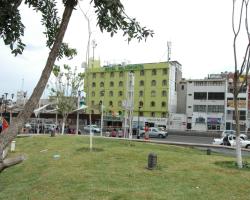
[(200, 33)]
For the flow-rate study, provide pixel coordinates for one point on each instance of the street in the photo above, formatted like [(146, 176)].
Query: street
[(200, 140)]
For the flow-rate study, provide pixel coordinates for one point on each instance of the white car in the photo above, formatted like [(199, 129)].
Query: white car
[(228, 132), (94, 128), (155, 132), (230, 140)]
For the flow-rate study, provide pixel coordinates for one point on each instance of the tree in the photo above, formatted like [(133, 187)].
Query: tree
[(111, 17), (64, 92), (241, 67)]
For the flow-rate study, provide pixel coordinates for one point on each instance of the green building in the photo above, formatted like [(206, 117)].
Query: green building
[(154, 88)]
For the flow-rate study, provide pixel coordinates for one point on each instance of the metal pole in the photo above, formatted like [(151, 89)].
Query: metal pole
[(90, 133), (77, 115), (138, 124), (101, 117)]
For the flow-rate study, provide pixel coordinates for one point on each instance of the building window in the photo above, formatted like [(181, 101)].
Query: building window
[(154, 72), (94, 75), (164, 93), (102, 75), (141, 83), (163, 104), (120, 74), (164, 82), (200, 95), (152, 114), (112, 74), (111, 84), (152, 104), (111, 93), (153, 83), (102, 93), (199, 108), (120, 84), (182, 87), (93, 84), (153, 93), (142, 73), (140, 93), (119, 103), (140, 113), (101, 84), (141, 103), (164, 71), (216, 96), (215, 108), (92, 103), (189, 106), (93, 94), (120, 93), (163, 115), (111, 103)]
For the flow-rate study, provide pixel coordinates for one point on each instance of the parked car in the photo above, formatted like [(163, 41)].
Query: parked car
[(154, 132), (230, 140), (94, 129), (228, 132)]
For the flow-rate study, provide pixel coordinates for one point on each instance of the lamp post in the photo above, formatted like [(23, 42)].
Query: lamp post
[(77, 115), (5, 102), (1, 103), (138, 123)]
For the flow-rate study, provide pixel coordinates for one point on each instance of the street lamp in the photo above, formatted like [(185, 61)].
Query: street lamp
[(138, 123), (5, 102), (1, 103), (77, 116)]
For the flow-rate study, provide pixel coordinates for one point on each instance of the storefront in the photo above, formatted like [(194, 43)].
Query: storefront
[(213, 123)]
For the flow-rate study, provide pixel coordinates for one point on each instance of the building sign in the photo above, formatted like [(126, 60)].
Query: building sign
[(200, 120), (241, 103), (211, 120), (124, 68)]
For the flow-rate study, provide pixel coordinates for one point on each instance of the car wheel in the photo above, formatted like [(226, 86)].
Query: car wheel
[(160, 136), (248, 146), (142, 135)]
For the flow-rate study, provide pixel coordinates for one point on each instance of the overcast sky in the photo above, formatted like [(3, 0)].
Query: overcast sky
[(200, 32)]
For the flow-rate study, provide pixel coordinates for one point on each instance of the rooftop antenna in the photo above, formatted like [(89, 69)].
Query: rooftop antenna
[(169, 49), (94, 44)]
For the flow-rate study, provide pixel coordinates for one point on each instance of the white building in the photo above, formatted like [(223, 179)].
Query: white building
[(205, 105), (242, 106)]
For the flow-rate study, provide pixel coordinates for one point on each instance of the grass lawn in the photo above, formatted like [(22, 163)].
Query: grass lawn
[(117, 170)]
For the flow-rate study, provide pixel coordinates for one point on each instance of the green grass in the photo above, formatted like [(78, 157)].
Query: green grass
[(117, 170)]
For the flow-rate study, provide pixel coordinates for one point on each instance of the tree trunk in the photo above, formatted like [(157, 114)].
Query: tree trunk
[(63, 126), (10, 162), (237, 124), (9, 134)]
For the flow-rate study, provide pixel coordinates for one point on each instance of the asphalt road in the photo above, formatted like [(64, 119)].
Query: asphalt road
[(201, 140)]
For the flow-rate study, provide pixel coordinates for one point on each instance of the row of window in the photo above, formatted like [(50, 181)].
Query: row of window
[(208, 95), (152, 114), (208, 83), (209, 108), (142, 73), (119, 103), (120, 93), (120, 84)]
